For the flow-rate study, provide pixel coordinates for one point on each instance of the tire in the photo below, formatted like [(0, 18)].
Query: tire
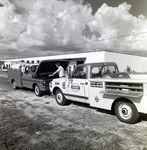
[(126, 112), (37, 90), (60, 99), (14, 85)]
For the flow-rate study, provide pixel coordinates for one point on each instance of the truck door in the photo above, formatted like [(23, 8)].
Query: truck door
[(96, 88), (27, 78), (78, 85)]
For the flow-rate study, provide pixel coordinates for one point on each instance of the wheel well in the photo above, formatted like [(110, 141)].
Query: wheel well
[(120, 99), (12, 80), (55, 89), (33, 85)]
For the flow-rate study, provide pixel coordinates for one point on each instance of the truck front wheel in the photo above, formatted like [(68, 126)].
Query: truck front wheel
[(126, 112), (37, 90), (60, 99)]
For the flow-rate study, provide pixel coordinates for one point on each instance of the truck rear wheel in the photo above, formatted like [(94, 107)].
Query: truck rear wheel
[(14, 85), (126, 112), (60, 99), (37, 90)]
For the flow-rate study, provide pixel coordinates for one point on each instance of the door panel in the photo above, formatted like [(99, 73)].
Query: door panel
[(77, 90), (27, 81), (78, 85)]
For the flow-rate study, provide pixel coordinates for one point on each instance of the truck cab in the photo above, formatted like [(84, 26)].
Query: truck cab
[(101, 85)]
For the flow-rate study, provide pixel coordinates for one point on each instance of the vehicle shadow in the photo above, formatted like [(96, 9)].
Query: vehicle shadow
[(143, 117), (32, 91), (96, 109)]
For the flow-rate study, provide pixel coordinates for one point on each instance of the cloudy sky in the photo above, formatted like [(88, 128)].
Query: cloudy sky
[(30, 28)]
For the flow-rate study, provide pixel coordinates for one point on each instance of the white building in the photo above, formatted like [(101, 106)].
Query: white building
[(136, 63)]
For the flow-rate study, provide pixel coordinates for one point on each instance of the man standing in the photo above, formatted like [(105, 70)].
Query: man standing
[(60, 71)]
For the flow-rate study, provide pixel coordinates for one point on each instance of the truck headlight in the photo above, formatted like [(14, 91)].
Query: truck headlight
[(50, 84), (43, 82)]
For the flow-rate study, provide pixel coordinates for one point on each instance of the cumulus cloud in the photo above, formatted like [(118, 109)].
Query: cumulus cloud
[(53, 26), (119, 30), (11, 26)]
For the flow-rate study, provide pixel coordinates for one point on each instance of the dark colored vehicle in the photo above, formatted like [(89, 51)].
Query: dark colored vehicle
[(35, 76)]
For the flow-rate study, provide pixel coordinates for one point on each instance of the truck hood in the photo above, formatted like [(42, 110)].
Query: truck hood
[(49, 66)]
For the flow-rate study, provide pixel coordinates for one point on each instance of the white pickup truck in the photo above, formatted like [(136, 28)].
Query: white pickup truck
[(101, 85)]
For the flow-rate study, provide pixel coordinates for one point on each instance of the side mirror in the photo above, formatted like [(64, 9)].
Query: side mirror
[(26, 71)]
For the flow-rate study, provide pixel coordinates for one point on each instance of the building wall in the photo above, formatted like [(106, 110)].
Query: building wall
[(95, 57), (137, 63)]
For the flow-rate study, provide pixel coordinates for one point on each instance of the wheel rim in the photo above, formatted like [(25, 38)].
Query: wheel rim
[(59, 97), (14, 84), (36, 90), (125, 111)]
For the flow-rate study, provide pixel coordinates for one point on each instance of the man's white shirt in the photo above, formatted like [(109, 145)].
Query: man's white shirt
[(61, 71)]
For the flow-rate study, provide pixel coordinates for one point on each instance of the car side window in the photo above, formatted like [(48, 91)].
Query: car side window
[(95, 71), (27, 69), (109, 69), (80, 73)]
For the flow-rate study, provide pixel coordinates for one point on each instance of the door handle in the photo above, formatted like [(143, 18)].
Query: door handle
[(82, 83)]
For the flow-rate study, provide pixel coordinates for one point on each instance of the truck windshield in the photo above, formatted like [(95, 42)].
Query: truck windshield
[(100, 70), (33, 68), (109, 69), (80, 73)]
